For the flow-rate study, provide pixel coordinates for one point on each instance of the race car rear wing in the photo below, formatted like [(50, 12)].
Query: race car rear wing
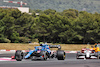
[(55, 46)]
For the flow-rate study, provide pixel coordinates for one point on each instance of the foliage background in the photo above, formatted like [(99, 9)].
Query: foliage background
[(68, 26), (60, 5)]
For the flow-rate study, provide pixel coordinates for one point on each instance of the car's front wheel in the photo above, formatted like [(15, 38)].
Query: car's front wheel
[(19, 55)]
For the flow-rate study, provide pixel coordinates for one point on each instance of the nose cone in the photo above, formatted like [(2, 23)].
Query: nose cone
[(87, 55)]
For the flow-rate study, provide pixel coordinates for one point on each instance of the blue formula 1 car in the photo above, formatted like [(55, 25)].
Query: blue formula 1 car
[(41, 52)]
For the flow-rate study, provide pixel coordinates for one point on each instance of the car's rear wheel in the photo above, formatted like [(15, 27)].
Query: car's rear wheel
[(97, 55), (45, 56), (33, 58), (60, 55), (42, 53)]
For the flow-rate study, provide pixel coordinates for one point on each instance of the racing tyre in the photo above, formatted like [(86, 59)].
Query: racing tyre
[(60, 55), (33, 58), (19, 55), (77, 55), (97, 55), (45, 56)]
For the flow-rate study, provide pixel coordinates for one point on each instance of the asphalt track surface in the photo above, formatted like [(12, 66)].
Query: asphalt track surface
[(70, 61)]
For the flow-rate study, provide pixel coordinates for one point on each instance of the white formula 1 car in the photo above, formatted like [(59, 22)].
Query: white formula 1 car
[(87, 54)]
